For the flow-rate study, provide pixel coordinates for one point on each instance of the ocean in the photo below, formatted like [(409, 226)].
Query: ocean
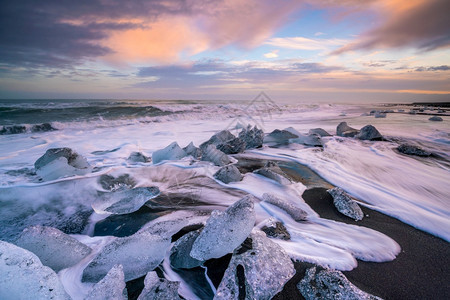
[(412, 189)]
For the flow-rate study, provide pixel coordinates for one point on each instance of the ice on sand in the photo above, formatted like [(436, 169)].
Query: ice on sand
[(258, 270), (217, 157), (224, 231), (330, 284), (54, 248), (124, 200), (345, 205), (159, 288), (112, 286), (295, 212), (138, 254), (24, 277), (171, 152)]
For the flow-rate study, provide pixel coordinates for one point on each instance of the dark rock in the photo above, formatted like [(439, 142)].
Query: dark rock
[(253, 137), (179, 254), (276, 229), (14, 129), (412, 150), (435, 118), (346, 131), (112, 183), (319, 131), (330, 284), (228, 174), (369, 132), (42, 127), (137, 157)]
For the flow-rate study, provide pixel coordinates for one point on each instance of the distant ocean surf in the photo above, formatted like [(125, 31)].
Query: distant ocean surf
[(229, 199)]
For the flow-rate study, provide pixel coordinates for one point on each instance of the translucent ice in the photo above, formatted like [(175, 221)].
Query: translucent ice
[(346, 131), (258, 270), (345, 205), (54, 248), (179, 254), (159, 288), (330, 284), (305, 139), (138, 254), (215, 156), (24, 277), (171, 152), (253, 137), (272, 170), (124, 200), (228, 174), (224, 231), (61, 162), (112, 286), (295, 212)]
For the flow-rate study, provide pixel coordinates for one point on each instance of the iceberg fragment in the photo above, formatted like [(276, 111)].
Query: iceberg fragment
[(345, 205), (330, 284), (156, 288), (258, 270), (54, 248), (112, 286), (228, 174), (217, 157), (295, 212), (224, 231), (171, 152), (24, 277), (179, 254)]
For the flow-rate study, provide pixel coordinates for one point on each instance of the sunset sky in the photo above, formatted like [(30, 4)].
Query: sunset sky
[(307, 50)]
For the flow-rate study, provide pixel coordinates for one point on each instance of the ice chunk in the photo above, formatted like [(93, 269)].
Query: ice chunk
[(112, 286), (112, 183), (272, 170), (42, 127), (345, 205), (24, 277), (228, 174), (295, 212), (137, 157), (124, 200), (233, 146), (275, 229), (192, 150), (380, 115), (435, 118), (217, 157), (258, 270), (171, 152), (14, 129), (279, 136), (54, 248), (159, 288), (319, 131), (308, 140), (61, 162), (224, 231), (330, 284), (179, 254), (253, 137), (138, 254), (346, 131), (369, 132)]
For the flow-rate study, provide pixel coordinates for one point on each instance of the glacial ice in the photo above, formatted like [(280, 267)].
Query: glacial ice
[(305, 139), (112, 286), (156, 288), (138, 254), (345, 205), (124, 200), (24, 277), (272, 171), (253, 137), (275, 229), (217, 157), (226, 142), (436, 119), (258, 270), (295, 212), (330, 284), (138, 157), (228, 174), (346, 131), (192, 150), (54, 248), (179, 253), (412, 150), (279, 137), (369, 132), (319, 131), (224, 231), (171, 152)]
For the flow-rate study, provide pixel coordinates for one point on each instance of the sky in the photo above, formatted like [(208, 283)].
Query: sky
[(305, 50)]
